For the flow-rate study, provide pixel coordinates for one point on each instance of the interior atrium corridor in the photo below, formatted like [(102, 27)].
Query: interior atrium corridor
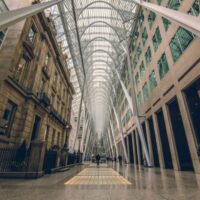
[(99, 99)]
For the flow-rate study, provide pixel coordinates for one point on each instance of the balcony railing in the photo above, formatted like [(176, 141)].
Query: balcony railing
[(44, 99), (57, 116)]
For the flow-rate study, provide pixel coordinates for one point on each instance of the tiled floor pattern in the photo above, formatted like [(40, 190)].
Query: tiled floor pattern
[(98, 176), (147, 184), (94, 165)]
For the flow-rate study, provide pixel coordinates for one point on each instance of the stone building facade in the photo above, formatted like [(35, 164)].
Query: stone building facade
[(35, 89), (166, 72)]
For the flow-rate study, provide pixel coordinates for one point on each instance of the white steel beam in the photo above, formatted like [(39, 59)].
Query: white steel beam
[(135, 109), (110, 138), (191, 23), (86, 144), (120, 130), (112, 132), (84, 133), (12, 17)]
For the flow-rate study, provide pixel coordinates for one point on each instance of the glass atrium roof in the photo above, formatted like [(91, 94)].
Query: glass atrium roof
[(92, 33)]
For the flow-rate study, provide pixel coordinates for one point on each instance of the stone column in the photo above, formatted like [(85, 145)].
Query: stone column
[(58, 157), (134, 147), (138, 148), (79, 154), (35, 168), (64, 156), (149, 142), (189, 131), (158, 142), (172, 144), (128, 150)]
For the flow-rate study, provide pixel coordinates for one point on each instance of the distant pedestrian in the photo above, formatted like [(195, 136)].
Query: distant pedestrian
[(107, 158), (145, 162), (120, 159), (98, 158)]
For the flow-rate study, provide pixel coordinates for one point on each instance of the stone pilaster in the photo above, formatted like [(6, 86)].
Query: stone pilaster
[(35, 168)]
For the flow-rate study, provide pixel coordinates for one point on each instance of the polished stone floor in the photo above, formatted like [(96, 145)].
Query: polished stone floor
[(148, 184), (98, 176)]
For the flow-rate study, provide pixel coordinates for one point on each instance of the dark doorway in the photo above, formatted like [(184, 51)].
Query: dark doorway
[(192, 94), (130, 144), (135, 145), (164, 140), (36, 127), (179, 136), (153, 142), (145, 134)]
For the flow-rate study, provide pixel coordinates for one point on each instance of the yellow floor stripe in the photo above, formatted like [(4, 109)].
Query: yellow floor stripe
[(98, 176)]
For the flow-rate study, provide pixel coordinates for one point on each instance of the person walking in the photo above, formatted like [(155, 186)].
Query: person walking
[(120, 159), (98, 158)]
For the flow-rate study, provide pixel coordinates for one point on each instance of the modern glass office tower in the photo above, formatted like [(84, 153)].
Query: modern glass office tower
[(103, 94)]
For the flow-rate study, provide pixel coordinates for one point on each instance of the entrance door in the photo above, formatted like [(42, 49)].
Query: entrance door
[(153, 142), (164, 140), (179, 136), (36, 127), (192, 94), (130, 147)]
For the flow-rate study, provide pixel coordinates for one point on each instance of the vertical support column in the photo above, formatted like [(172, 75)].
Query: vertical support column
[(134, 148), (110, 139), (89, 146), (84, 134), (121, 132), (92, 146), (149, 142), (112, 132), (79, 114), (108, 144), (86, 144), (172, 145), (138, 148), (158, 141), (189, 132), (128, 150), (111, 146), (36, 159)]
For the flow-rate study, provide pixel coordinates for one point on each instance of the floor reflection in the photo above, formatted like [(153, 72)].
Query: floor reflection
[(147, 183)]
